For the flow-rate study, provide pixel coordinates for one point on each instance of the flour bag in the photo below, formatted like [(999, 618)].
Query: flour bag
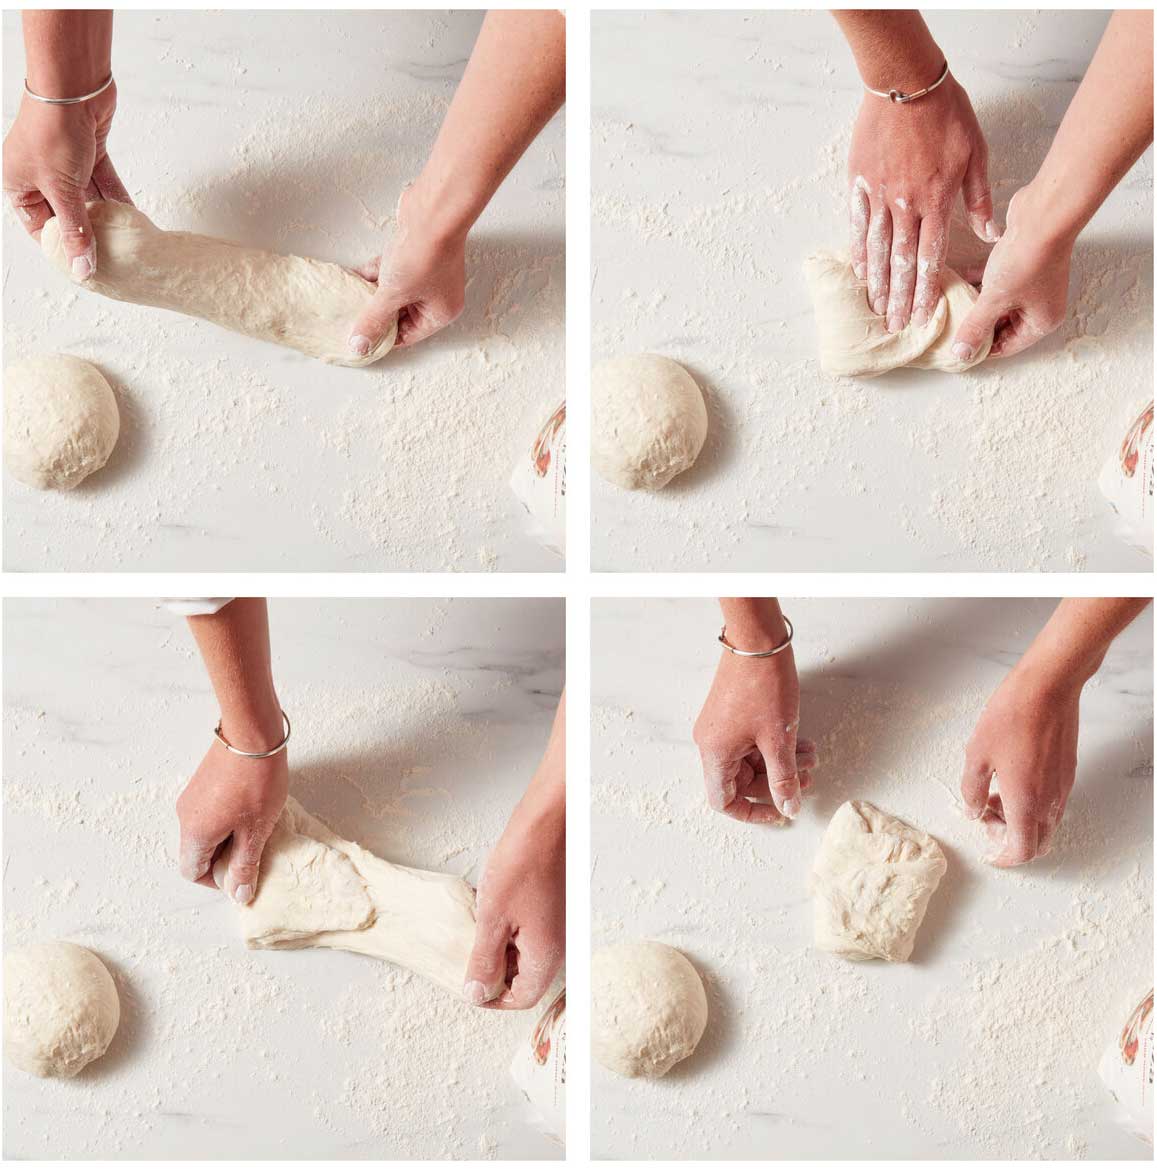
[(1127, 481), (1127, 1070), (539, 1067), (539, 482)]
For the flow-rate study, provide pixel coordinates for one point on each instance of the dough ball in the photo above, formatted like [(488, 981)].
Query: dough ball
[(648, 421), (61, 1008), (648, 1008), (871, 883), (60, 421)]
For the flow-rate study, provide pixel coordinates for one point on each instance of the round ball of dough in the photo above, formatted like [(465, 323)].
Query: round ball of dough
[(60, 421), (648, 421), (61, 1008), (648, 1008)]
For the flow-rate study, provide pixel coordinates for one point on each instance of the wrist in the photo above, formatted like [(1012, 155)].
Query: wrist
[(1048, 212), (253, 725), (445, 214), (754, 624)]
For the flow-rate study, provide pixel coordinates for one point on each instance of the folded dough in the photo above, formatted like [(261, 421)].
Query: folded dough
[(317, 890), (855, 342), (308, 305)]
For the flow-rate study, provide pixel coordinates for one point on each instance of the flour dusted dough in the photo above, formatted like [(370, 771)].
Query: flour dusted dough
[(317, 890), (648, 421), (60, 421), (855, 342), (648, 1008), (308, 305), (871, 883), (61, 1008)]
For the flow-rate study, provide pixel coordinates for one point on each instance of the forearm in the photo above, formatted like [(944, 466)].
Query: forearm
[(67, 53), (1107, 126), (514, 83), (546, 794), (1074, 641), (754, 624), (234, 645), (892, 49)]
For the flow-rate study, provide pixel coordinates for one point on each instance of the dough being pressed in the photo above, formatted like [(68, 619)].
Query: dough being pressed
[(855, 342), (308, 305), (872, 881), (317, 890), (60, 421), (61, 1008)]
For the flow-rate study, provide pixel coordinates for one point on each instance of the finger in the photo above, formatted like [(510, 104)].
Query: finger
[(108, 182), (721, 776), (933, 250), (373, 323), (369, 271), (902, 270), (975, 785), (75, 231), (859, 213), (805, 760), (245, 861), (753, 812), (977, 326), (527, 988), (805, 780), (782, 774), (486, 968), (1021, 838), (195, 858), (978, 196), (1015, 334), (879, 254), (416, 325), (32, 210)]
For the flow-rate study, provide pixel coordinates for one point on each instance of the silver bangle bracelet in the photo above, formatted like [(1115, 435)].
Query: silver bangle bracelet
[(66, 101), (255, 755), (775, 650), (900, 97)]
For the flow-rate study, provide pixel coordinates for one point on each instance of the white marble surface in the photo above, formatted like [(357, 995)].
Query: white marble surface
[(296, 132), (1018, 977), (719, 155), (416, 726)]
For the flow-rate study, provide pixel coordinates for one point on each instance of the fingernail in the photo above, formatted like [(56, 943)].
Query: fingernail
[(990, 232), (861, 271), (920, 316), (243, 895), (894, 324), (880, 306), (81, 268), (962, 350), (360, 344), (791, 807), (475, 992), (972, 814)]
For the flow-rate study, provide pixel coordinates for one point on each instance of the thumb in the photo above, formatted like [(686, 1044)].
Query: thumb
[(978, 197), (374, 322), (977, 327), (75, 230), (244, 862), (782, 774), (486, 968)]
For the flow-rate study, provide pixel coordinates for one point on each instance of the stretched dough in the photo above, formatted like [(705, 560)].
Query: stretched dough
[(308, 305), (317, 890), (855, 342)]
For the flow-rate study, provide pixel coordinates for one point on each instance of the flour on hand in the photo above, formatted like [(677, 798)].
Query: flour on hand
[(317, 890), (855, 342), (871, 883), (307, 305)]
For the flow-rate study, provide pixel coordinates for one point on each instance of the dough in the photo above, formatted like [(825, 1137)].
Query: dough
[(316, 890), (61, 1008), (648, 421), (855, 342), (871, 883), (60, 421), (648, 1008), (308, 305)]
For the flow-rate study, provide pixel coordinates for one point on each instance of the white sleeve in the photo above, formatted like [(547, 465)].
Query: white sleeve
[(195, 607)]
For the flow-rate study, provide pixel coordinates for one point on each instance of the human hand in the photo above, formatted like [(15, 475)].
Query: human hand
[(1027, 738), (1025, 286), (746, 735), (56, 159), (907, 163), (231, 796), (520, 941), (421, 279)]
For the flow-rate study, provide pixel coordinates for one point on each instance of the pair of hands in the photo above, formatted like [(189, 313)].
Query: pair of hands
[(907, 165), (521, 903), (56, 160), (756, 768)]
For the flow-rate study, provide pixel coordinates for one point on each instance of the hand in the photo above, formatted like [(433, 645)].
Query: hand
[(55, 159), (521, 935), (1025, 287), (906, 166), (421, 279), (231, 796), (1027, 737), (746, 734)]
